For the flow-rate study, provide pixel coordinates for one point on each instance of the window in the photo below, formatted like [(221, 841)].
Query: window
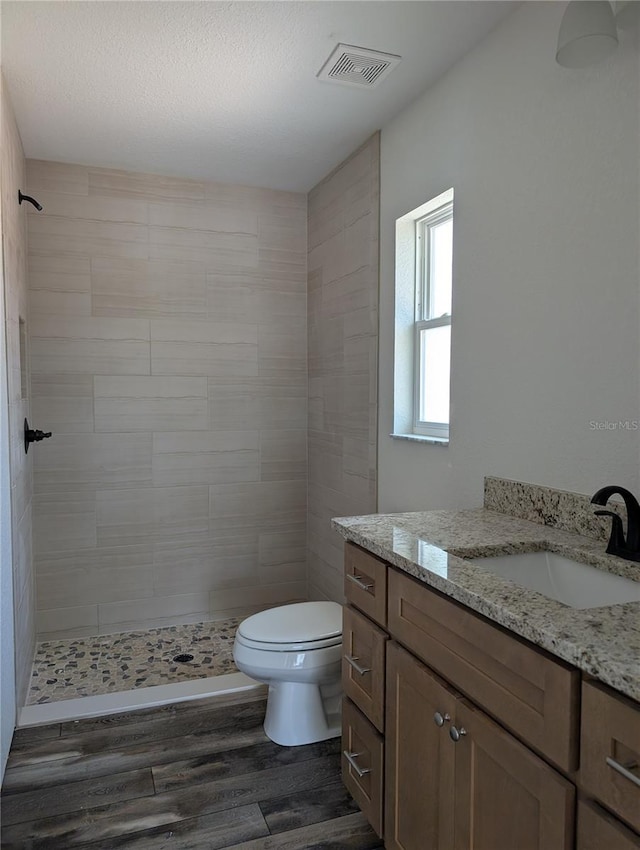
[(432, 342), (424, 275)]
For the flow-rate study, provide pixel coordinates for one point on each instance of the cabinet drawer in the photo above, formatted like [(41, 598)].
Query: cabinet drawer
[(597, 830), (610, 749), (365, 582), (363, 662), (522, 687), (363, 763)]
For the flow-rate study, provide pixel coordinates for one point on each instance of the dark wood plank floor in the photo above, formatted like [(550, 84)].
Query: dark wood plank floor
[(193, 776)]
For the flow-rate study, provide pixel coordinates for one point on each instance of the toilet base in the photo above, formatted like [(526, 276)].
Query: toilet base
[(297, 713)]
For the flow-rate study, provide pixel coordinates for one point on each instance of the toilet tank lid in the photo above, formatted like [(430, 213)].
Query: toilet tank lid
[(298, 623)]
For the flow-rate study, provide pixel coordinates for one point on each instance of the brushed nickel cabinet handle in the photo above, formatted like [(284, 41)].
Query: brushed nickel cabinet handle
[(358, 581), (455, 734), (351, 758), (441, 719), (357, 667), (624, 770)]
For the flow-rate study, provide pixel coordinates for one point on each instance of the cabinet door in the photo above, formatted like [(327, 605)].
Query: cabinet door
[(419, 754), (505, 796)]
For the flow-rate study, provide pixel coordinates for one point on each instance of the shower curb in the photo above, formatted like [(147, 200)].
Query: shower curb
[(151, 697)]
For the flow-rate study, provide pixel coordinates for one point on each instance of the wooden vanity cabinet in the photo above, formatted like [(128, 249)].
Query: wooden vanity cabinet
[(421, 670), (456, 780)]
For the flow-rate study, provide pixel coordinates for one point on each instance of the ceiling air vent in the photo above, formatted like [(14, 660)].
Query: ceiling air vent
[(357, 66)]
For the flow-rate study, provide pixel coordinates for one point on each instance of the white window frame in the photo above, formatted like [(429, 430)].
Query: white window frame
[(407, 261), (424, 318)]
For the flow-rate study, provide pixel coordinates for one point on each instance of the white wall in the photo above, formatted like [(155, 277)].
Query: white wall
[(17, 631), (544, 162), (7, 661)]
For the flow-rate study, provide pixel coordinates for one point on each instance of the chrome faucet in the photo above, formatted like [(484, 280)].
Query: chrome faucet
[(624, 547)]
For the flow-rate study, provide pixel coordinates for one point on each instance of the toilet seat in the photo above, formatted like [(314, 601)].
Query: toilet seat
[(302, 646), (291, 628)]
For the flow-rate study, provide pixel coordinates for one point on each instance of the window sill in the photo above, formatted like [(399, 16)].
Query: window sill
[(418, 438)]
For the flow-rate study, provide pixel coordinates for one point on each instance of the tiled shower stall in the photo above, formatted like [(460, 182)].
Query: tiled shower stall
[(168, 356), (205, 356)]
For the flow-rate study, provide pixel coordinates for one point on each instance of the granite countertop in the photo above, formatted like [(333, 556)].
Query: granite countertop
[(431, 546)]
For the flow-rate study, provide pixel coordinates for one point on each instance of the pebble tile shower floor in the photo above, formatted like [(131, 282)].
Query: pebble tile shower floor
[(102, 664)]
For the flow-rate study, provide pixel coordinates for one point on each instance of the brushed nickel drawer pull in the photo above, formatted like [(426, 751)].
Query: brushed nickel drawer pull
[(351, 758), (624, 770), (441, 719), (358, 581), (357, 667)]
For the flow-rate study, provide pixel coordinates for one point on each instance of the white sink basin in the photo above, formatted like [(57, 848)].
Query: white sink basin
[(564, 580)]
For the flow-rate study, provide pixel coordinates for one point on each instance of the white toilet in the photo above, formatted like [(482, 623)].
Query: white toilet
[(297, 650)]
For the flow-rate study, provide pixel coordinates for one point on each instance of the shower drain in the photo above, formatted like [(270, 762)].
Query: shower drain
[(184, 658)]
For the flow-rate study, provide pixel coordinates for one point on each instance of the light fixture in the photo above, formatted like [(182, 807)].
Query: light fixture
[(587, 34)]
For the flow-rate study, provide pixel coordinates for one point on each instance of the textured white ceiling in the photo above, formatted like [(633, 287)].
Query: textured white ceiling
[(219, 90)]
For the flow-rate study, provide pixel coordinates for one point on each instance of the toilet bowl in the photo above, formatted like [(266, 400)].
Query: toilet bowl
[(296, 650)]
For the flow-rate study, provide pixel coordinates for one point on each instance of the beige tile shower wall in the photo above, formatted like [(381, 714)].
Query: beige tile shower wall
[(343, 334), (169, 355), (14, 251)]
